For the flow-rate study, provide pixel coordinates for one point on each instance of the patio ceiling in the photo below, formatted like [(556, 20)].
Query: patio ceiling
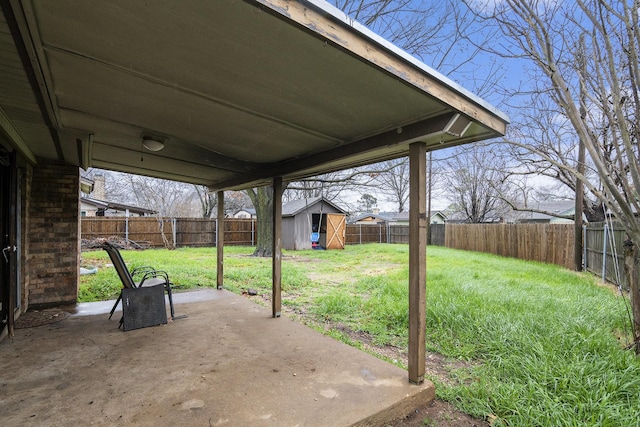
[(238, 91)]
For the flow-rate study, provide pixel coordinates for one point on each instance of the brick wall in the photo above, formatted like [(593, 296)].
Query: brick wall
[(53, 234)]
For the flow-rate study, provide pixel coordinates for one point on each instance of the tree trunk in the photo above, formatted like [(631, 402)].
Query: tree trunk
[(632, 271), (262, 199)]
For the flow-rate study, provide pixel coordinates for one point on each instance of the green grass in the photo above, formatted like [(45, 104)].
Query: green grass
[(539, 343)]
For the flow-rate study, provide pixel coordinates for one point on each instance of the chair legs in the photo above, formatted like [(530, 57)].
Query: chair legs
[(115, 305), (173, 314)]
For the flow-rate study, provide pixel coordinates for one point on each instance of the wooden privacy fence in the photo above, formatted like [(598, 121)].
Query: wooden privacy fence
[(549, 243), (358, 234), (202, 232), (177, 231)]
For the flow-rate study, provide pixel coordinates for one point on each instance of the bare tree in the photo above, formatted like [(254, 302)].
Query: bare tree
[(394, 181), (208, 200), (585, 56), (167, 198), (477, 183)]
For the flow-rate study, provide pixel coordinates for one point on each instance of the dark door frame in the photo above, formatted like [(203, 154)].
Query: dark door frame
[(8, 240)]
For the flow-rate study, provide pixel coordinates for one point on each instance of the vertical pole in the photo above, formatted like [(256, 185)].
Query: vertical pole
[(577, 217), (220, 239), (174, 223), (276, 257), (126, 226), (584, 246), (604, 251), (417, 261), (429, 188)]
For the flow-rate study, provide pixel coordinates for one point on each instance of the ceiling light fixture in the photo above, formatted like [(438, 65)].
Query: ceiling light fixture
[(152, 144)]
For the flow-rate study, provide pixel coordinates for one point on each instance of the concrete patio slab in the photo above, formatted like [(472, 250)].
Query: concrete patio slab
[(228, 363)]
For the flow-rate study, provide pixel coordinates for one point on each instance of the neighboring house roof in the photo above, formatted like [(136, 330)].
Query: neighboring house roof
[(373, 217), (460, 217), (294, 207), (250, 211), (558, 207), (104, 205), (404, 216), (98, 204), (391, 216)]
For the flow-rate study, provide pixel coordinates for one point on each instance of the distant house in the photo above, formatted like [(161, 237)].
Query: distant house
[(437, 217), (97, 208), (375, 217), (398, 218), (302, 217), (245, 213), (557, 207)]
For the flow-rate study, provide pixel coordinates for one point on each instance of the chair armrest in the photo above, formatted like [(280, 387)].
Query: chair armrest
[(152, 274), (141, 271)]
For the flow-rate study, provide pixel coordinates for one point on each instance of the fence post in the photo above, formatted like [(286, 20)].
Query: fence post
[(604, 251), (584, 247), (360, 230), (126, 226), (379, 233), (253, 223), (173, 227)]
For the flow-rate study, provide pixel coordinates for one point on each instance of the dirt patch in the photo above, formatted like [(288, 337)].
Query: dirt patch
[(439, 414), (34, 318)]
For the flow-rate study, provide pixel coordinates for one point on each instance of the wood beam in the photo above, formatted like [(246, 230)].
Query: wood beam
[(417, 261), (276, 257), (220, 240)]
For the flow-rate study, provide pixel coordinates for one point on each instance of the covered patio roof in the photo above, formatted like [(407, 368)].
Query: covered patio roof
[(237, 94), (237, 91)]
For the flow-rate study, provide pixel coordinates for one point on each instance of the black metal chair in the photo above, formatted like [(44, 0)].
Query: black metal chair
[(148, 277)]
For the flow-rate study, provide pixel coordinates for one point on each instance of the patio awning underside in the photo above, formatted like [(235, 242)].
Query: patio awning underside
[(238, 91)]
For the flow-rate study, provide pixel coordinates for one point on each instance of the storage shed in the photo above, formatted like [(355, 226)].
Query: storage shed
[(301, 218)]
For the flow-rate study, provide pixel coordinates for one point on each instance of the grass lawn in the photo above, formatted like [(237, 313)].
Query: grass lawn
[(533, 344)]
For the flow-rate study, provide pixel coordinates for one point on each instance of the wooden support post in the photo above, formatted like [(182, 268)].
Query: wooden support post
[(276, 257), (220, 239), (417, 261)]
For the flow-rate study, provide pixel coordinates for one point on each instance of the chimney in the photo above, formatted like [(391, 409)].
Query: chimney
[(98, 187), (376, 211)]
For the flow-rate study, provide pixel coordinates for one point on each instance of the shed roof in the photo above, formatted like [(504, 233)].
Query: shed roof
[(238, 92), (294, 207)]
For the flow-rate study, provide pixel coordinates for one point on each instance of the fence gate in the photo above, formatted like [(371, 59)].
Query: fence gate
[(336, 229)]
